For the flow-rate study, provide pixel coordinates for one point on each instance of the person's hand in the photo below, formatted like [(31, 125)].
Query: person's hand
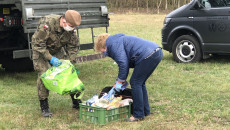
[(111, 92), (118, 86), (55, 61), (124, 85)]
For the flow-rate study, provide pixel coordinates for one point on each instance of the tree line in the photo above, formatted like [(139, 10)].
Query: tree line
[(146, 5)]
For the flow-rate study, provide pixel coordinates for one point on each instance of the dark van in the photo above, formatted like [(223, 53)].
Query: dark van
[(197, 29)]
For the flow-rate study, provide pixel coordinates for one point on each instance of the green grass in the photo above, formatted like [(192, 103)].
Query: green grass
[(181, 96)]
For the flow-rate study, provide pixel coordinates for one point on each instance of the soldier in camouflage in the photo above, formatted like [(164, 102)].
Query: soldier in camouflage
[(54, 39)]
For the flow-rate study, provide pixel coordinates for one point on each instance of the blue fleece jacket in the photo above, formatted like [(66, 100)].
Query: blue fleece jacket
[(128, 51)]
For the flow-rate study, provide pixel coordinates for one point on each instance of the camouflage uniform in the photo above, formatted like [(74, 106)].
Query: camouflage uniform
[(51, 40)]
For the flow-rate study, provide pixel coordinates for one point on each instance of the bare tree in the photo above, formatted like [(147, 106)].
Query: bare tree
[(138, 5), (173, 4), (116, 4), (147, 6), (178, 3), (158, 6), (166, 4)]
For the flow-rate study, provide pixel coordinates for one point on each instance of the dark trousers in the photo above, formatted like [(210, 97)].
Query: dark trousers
[(141, 73)]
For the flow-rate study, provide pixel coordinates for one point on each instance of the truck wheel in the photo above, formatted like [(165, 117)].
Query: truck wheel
[(18, 65), (186, 49)]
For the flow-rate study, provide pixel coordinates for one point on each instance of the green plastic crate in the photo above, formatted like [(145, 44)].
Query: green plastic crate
[(101, 116)]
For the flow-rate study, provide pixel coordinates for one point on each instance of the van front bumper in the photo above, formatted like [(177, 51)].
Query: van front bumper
[(165, 46)]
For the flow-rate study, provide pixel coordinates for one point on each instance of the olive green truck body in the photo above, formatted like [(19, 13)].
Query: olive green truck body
[(19, 18)]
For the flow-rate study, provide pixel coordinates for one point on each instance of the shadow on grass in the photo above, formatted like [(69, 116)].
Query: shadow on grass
[(222, 59), (218, 59), (7, 77)]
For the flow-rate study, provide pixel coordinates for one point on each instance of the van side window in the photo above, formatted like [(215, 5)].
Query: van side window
[(206, 3), (218, 3)]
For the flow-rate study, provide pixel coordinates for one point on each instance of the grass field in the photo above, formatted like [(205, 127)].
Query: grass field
[(181, 96)]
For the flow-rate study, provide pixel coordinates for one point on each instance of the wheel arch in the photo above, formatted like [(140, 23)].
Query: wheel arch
[(183, 30)]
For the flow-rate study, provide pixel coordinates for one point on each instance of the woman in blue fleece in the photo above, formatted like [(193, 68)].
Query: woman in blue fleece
[(132, 52)]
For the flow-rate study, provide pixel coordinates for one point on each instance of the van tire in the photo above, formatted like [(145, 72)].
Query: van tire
[(186, 49)]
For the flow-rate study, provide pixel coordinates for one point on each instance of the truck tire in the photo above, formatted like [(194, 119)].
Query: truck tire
[(186, 49), (18, 65)]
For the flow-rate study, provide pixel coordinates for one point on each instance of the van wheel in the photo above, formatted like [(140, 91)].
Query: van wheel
[(186, 49)]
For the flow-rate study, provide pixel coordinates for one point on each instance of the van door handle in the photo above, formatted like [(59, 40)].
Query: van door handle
[(191, 17)]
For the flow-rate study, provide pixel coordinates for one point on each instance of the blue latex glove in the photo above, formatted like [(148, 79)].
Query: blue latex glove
[(55, 61), (118, 86), (111, 92), (124, 85)]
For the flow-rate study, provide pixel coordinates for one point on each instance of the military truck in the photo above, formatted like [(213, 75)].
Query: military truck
[(18, 22)]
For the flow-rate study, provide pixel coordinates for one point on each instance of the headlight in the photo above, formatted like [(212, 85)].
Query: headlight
[(166, 21)]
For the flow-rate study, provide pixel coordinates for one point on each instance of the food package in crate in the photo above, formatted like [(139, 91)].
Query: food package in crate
[(92, 102), (106, 99), (114, 103), (104, 102)]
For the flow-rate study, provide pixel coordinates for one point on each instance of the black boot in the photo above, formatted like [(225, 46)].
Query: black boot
[(45, 108), (75, 101)]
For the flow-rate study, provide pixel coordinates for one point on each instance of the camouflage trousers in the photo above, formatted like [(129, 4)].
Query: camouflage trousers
[(41, 65)]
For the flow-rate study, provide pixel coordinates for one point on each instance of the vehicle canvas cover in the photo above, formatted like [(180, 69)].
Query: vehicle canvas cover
[(94, 13)]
